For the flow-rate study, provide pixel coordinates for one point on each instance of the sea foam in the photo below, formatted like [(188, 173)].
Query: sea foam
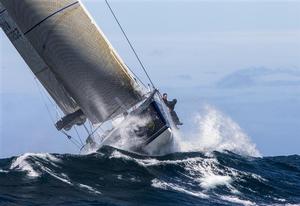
[(214, 131), (21, 163)]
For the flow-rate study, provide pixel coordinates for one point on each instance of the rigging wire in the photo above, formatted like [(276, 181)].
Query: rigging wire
[(130, 44), (91, 125), (99, 126), (43, 99), (86, 129), (136, 76), (74, 141), (78, 135)]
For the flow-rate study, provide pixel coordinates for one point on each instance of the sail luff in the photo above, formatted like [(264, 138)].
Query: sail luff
[(113, 51)]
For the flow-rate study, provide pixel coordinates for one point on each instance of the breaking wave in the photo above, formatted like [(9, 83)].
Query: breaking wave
[(115, 177), (216, 164), (216, 132)]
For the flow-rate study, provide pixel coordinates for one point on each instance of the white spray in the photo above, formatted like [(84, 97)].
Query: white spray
[(127, 131), (215, 131)]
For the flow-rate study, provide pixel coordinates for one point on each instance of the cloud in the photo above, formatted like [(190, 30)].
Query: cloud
[(260, 77), (184, 77)]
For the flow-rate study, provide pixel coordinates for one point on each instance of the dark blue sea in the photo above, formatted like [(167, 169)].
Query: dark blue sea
[(116, 177)]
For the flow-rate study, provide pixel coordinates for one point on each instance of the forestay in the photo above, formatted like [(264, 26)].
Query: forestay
[(64, 45)]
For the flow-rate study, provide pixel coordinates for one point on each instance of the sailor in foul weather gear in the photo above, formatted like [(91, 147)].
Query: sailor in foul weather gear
[(171, 106)]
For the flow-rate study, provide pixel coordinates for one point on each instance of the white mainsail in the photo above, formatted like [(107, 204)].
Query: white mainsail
[(70, 56)]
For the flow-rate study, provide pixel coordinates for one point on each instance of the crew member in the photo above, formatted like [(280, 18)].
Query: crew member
[(171, 106)]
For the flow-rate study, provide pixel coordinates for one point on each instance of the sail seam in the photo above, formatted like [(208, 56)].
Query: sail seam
[(60, 10)]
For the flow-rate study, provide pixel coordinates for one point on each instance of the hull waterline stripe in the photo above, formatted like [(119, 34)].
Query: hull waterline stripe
[(68, 6), (154, 136)]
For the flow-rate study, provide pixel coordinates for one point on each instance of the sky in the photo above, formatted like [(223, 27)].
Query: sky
[(241, 57)]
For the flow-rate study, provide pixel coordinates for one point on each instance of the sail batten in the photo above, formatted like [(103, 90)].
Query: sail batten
[(77, 54)]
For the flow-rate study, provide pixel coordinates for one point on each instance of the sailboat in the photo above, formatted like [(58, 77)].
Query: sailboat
[(89, 82)]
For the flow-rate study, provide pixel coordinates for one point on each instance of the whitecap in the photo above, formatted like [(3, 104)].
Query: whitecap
[(21, 163), (3, 171), (279, 199), (64, 179), (89, 188), (258, 177), (234, 199), (170, 186), (211, 181), (116, 155)]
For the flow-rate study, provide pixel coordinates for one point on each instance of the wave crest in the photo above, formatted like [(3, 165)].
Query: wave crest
[(216, 132)]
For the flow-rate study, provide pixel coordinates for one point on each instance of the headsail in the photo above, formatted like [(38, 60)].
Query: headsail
[(77, 54)]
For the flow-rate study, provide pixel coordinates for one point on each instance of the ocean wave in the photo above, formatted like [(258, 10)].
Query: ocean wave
[(115, 177), (23, 162)]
